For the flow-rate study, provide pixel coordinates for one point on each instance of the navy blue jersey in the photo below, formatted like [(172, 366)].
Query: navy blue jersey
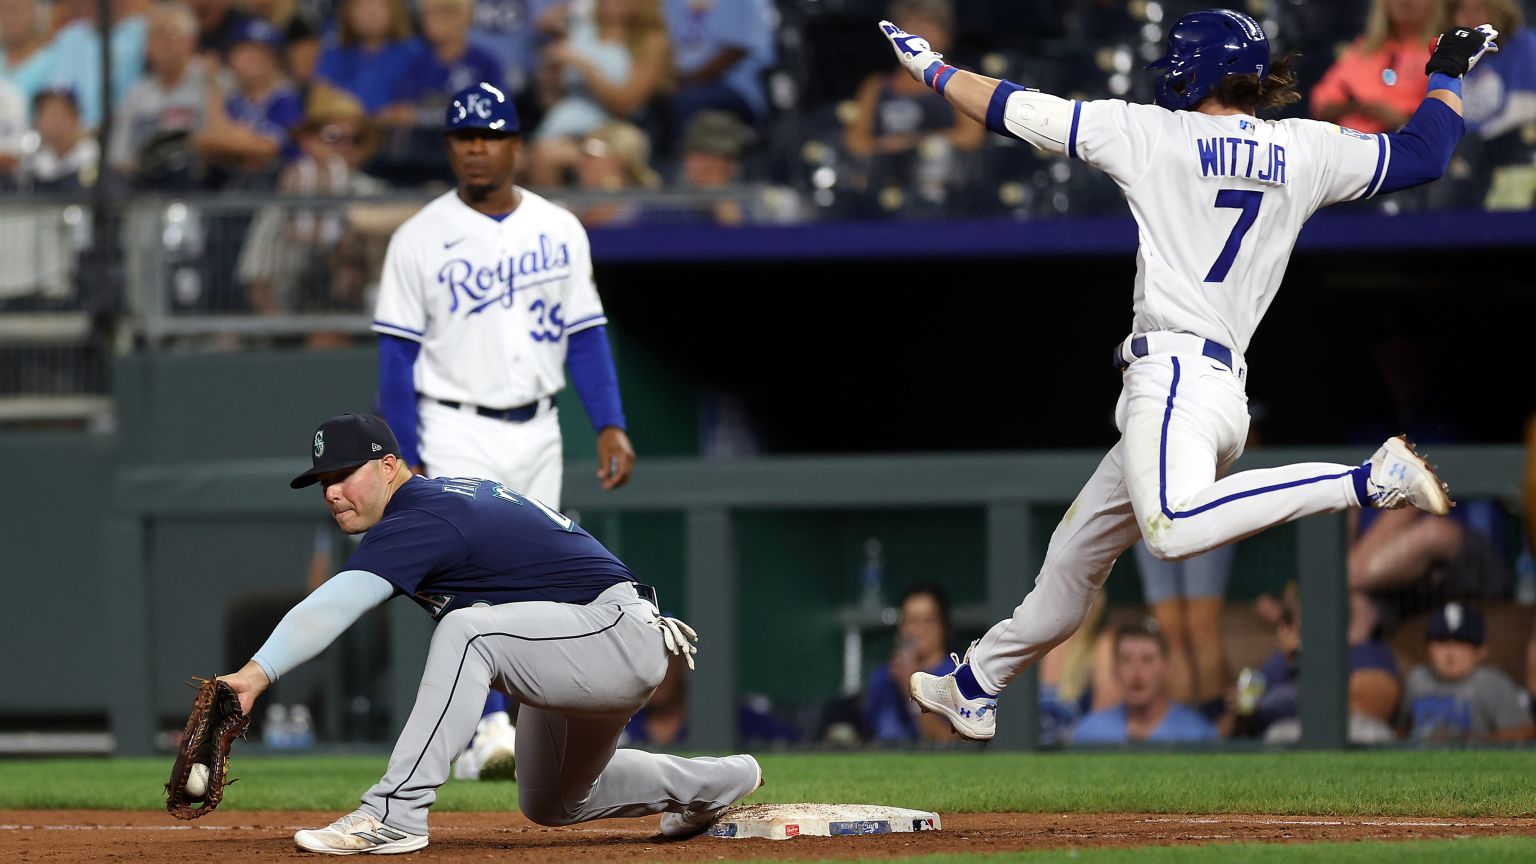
[(450, 543)]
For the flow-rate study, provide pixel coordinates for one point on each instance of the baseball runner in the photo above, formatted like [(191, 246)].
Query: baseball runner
[(486, 299), (524, 600), (1219, 197)]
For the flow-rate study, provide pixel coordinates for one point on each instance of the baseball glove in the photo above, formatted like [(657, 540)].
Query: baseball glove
[(215, 723)]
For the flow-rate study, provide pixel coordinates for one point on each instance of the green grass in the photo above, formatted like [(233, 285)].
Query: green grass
[(1403, 783), (1496, 850)]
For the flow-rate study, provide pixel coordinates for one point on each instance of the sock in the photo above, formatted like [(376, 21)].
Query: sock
[(1362, 492), (966, 681)]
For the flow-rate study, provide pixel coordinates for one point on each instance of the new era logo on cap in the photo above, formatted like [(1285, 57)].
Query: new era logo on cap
[(346, 441)]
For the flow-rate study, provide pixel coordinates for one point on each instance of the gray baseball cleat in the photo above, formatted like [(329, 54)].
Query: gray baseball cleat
[(691, 823), (358, 833), (1400, 477), (975, 719)]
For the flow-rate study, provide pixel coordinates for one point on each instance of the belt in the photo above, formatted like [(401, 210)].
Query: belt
[(1176, 343), (520, 414), (648, 594)]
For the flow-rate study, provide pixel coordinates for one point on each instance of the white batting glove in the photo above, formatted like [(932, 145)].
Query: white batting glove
[(678, 637), (913, 53), (1490, 45)]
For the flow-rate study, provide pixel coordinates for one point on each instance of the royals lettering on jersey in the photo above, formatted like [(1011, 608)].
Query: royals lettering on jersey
[(449, 543), (1239, 157), (491, 302), (474, 287)]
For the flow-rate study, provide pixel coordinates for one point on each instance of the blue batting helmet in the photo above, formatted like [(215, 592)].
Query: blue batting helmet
[(481, 106), (1205, 47)]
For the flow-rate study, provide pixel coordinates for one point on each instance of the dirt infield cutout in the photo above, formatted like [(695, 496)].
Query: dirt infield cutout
[(234, 836)]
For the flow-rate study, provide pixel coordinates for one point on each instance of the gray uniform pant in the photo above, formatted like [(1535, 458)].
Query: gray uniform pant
[(580, 673)]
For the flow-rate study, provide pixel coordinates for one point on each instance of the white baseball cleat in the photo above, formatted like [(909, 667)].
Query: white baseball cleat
[(975, 719), (495, 748), (691, 823), (1400, 477), (358, 833)]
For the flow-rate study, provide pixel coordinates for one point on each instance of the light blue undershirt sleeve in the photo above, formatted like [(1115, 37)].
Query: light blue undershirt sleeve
[(312, 625)]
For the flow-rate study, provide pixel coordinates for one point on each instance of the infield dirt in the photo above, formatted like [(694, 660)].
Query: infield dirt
[(237, 836)]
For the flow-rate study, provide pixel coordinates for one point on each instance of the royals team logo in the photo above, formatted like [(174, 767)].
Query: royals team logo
[(475, 287), (319, 443)]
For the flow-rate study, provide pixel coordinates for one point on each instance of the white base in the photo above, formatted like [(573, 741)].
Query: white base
[(783, 821)]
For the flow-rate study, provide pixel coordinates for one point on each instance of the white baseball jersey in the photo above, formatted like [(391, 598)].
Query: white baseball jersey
[(490, 302), (1218, 200)]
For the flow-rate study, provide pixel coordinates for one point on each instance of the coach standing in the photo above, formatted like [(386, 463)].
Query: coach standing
[(487, 298)]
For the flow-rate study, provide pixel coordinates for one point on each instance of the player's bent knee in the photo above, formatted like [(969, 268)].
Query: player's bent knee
[(546, 810), (1176, 542)]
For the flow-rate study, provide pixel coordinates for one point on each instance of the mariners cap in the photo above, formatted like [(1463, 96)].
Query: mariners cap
[(347, 441), (1457, 622), (481, 106)]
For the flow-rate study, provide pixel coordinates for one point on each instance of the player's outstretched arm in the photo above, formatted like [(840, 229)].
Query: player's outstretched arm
[(1422, 149), (1039, 118)]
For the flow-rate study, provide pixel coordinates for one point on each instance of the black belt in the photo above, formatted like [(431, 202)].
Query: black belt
[(1214, 350), (520, 414)]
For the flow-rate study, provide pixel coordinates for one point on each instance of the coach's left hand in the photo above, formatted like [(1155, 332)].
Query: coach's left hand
[(615, 457)]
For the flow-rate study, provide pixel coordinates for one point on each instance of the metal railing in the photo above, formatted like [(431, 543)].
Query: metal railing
[(1009, 488)]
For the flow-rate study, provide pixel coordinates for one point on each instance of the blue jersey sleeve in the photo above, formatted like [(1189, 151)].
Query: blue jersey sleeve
[(408, 547)]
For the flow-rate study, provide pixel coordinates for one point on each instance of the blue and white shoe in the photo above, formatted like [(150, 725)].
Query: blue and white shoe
[(1401, 477), (358, 833), (975, 719)]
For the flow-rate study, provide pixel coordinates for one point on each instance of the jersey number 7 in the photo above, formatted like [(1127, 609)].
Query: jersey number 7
[(1248, 201)]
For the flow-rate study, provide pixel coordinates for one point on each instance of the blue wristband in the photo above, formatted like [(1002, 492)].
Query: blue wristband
[(1442, 81), (937, 75)]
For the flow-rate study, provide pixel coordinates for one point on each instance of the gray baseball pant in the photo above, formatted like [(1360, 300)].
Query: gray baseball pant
[(579, 672)]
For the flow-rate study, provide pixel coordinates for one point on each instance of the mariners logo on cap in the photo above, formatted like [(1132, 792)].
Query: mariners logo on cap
[(319, 443), (1453, 616)]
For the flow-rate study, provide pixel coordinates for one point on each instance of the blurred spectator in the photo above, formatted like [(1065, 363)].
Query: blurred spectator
[(1076, 677), (922, 637), (301, 36), (26, 54), (219, 25), (615, 157), (77, 56), (66, 159), (13, 126), (373, 59), (319, 259), (1147, 712), (896, 113), (1186, 599), (1374, 687), (514, 30), (249, 132), (1379, 81), (152, 134), (608, 68), (720, 49), (1454, 697), (450, 62), (712, 151)]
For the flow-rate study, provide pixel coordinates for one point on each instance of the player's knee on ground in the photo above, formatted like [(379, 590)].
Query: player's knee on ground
[(543, 808)]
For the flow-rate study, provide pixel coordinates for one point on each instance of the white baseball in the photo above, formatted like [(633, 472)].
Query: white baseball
[(197, 781)]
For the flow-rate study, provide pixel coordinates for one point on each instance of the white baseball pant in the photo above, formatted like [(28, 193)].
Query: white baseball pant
[(525, 457)]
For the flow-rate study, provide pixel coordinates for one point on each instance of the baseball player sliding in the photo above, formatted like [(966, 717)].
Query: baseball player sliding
[(525, 600), (486, 298), (1219, 197)]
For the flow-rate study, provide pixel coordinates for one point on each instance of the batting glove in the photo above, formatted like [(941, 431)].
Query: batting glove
[(1458, 50), (918, 57), (678, 636)]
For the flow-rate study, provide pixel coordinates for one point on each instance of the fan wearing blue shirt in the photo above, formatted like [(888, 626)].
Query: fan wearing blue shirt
[(449, 61), (373, 58), (262, 106), (1147, 713), (719, 50)]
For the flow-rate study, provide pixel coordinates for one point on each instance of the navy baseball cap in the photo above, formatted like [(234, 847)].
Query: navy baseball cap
[(257, 30), (481, 106), (1457, 622), (347, 441)]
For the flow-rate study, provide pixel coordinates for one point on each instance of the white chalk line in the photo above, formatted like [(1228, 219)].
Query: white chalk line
[(1384, 823)]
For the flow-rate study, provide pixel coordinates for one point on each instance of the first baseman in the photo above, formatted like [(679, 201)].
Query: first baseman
[(524, 600), (1219, 197), (486, 300)]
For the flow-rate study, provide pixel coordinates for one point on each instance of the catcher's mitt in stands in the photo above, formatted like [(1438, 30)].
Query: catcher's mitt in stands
[(202, 761)]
